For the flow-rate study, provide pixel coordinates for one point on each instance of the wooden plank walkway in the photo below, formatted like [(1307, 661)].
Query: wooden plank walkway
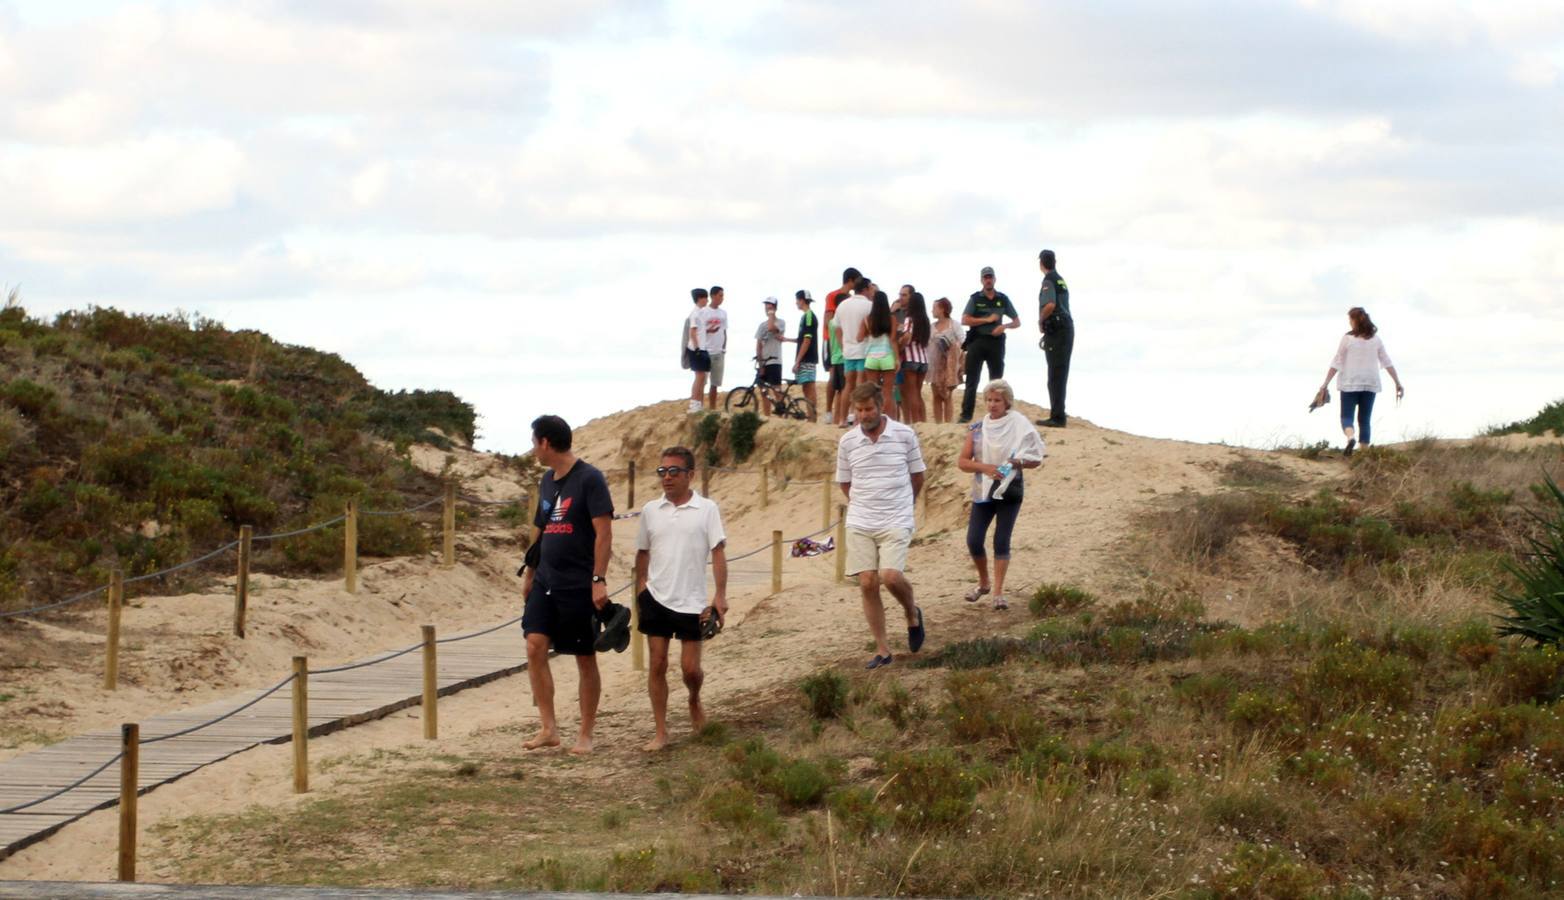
[(336, 700)]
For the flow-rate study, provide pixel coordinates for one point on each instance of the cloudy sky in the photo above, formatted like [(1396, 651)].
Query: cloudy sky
[(512, 200)]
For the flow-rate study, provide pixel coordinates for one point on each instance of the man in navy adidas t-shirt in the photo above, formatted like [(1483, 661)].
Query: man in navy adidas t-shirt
[(567, 591)]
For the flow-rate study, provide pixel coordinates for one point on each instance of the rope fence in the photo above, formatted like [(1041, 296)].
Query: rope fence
[(128, 756)]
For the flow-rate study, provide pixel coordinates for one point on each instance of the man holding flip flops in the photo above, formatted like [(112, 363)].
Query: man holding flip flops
[(679, 530)]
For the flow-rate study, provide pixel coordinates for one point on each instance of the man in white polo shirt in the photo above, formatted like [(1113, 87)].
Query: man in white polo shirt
[(880, 469), (679, 530)]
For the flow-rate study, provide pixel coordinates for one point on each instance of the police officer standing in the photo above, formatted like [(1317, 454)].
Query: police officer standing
[(1058, 328), (984, 316)]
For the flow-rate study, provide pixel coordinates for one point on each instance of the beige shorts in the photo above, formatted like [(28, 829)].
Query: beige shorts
[(869, 551)]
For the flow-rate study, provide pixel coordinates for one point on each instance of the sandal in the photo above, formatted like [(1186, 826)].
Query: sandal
[(973, 595), (1000, 602)]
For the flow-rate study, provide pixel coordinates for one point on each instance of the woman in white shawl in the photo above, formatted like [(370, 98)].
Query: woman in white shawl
[(998, 447)]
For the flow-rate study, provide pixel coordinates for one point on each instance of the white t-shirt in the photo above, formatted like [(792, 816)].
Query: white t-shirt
[(679, 540), (1358, 360), (771, 341), (880, 473), (716, 330), (850, 316), (696, 319)]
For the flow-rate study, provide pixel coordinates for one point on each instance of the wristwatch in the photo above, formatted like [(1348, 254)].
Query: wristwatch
[(598, 579)]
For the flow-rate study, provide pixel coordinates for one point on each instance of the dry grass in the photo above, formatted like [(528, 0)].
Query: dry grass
[(1370, 740)]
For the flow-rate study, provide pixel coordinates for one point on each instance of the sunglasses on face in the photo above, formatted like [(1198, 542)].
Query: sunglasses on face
[(672, 470)]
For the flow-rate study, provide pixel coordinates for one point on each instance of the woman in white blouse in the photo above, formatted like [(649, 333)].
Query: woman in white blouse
[(1359, 358)]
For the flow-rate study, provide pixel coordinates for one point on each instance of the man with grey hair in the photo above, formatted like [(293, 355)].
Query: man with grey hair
[(879, 467)]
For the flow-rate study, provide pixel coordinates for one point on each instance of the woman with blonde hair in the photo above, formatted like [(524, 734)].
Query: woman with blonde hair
[(998, 447), (1358, 358)]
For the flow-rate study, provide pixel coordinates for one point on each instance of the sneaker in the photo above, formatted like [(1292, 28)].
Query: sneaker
[(1000, 602), (828, 419), (1351, 446), (878, 661), (615, 634), (1051, 423)]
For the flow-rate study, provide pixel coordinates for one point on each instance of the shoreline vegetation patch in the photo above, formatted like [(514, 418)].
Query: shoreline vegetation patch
[(138, 441)]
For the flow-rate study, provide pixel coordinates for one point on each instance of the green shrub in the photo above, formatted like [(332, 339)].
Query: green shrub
[(930, 789), (856, 812), (1058, 599), (1265, 871), (1550, 420), (1537, 603), (1527, 674), (1206, 692), (827, 694), (979, 705), (707, 428), (1348, 676), (802, 783), (1472, 642), (899, 706), (1248, 809), (741, 434), (738, 807)]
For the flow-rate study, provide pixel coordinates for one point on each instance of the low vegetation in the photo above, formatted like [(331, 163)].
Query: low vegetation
[(1368, 734), (1550, 420), (138, 442)]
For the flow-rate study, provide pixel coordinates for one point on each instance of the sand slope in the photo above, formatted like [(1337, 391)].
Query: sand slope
[(1077, 510)]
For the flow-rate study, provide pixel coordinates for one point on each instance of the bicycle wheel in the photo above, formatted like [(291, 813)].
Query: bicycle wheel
[(739, 398), (799, 408)]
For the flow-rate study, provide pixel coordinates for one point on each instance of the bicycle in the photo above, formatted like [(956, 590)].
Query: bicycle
[(782, 401)]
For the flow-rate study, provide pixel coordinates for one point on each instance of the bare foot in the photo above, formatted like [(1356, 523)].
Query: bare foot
[(583, 745), (657, 743), (697, 717), (541, 740)]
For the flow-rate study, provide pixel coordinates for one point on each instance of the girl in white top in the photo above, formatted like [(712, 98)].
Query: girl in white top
[(997, 448), (1358, 358)]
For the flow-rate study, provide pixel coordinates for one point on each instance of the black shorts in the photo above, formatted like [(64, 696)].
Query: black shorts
[(772, 374), (700, 360), (566, 616), (661, 622), (838, 377)]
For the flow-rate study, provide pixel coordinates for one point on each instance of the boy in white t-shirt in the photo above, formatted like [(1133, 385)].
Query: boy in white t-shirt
[(696, 358), (716, 341), (679, 530)]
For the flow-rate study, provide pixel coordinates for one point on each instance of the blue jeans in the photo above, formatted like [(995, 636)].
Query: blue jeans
[(1363, 403), (1005, 512)]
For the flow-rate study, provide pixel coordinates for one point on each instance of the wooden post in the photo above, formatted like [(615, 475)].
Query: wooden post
[(350, 548), (532, 509), (431, 687), (841, 543), (637, 639), (449, 523), (825, 501), (630, 503), (111, 650), (129, 781), (242, 583), (301, 724), (706, 481), (765, 487), (776, 562)]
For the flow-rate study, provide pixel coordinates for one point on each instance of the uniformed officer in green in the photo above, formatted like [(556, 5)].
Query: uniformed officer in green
[(984, 315), (1058, 328)]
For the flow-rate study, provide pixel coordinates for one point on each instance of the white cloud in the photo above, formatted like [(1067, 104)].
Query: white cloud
[(120, 182)]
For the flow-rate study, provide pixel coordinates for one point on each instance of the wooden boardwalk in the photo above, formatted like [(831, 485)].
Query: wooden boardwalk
[(336, 700)]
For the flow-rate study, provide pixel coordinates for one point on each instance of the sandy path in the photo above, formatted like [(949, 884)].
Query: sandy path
[(1077, 510)]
